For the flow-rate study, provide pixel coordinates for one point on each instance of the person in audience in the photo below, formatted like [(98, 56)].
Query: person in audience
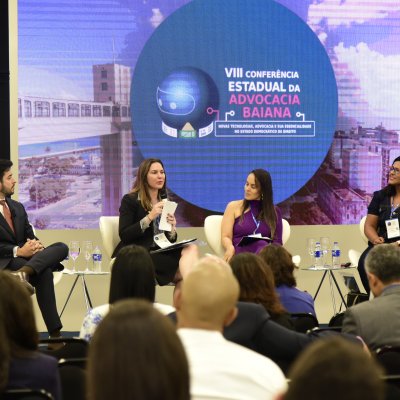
[(383, 218), (139, 218), (332, 369), (254, 215), (282, 266), (220, 369), (376, 321), (136, 354), (257, 285), (132, 276), (21, 364), (23, 254)]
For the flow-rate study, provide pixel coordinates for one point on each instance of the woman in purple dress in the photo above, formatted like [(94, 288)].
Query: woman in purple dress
[(255, 215)]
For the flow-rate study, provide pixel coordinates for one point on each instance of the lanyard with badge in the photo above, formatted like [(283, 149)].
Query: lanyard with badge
[(257, 222), (392, 224)]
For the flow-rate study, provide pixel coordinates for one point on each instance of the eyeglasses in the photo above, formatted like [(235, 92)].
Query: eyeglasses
[(395, 171)]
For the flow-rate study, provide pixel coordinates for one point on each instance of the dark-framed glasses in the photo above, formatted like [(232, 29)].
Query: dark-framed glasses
[(394, 170)]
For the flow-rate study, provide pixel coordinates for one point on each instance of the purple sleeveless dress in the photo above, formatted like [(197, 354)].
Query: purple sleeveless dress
[(248, 226)]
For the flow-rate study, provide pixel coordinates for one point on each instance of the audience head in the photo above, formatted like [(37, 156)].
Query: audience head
[(18, 332), (281, 264), (256, 282), (136, 354), (383, 267), (132, 275), (334, 368), (208, 296)]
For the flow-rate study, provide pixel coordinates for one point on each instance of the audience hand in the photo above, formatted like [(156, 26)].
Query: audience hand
[(189, 257)]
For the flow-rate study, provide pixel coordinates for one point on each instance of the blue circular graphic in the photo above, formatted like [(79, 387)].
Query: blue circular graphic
[(224, 87), (185, 95)]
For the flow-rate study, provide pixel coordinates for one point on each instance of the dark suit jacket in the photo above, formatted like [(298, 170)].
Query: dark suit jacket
[(23, 231), (377, 321), (130, 232)]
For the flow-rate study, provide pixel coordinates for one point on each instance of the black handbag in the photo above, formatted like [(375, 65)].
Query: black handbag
[(354, 297)]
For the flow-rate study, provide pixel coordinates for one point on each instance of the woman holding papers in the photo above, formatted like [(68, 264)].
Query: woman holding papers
[(250, 224), (139, 219)]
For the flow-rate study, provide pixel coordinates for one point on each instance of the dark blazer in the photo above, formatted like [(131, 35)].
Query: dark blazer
[(130, 232), (23, 231), (377, 321), (130, 213), (35, 371)]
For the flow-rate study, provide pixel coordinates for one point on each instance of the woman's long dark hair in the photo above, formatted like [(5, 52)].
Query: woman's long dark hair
[(18, 332), (141, 185), (256, 282), (136, 353), (267, 213), (132, 275)]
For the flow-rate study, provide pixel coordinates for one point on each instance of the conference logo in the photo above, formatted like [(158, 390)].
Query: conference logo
[(185, 100)]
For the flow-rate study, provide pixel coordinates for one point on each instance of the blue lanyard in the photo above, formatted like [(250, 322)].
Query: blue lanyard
[(393, 208), (255, 221)]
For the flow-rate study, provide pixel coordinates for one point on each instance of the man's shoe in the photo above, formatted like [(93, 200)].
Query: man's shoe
[(23, 277)]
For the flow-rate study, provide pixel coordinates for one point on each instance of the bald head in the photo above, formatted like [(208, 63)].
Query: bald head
[(209, 295)]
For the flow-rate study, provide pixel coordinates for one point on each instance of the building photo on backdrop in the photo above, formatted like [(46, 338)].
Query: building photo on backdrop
[(305, 89)]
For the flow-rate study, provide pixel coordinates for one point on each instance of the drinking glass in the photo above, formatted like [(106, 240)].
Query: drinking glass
[(88, 252), (311, 249), (325, 248), (74, 251)]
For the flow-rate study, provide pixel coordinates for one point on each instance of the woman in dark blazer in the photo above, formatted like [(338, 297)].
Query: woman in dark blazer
[(139, 217)]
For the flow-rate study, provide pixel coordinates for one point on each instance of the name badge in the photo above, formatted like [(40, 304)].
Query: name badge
[(392, 228)]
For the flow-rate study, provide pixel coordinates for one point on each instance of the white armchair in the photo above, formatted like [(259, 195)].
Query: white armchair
[(109, 234), (354, 255), (212, 230)]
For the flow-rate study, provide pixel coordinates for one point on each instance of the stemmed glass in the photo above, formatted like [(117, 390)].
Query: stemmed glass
[(325, 248), (311, 249), (88, 252), (74, 251)]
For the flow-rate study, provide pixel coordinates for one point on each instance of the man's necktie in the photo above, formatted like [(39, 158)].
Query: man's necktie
[(7, 214)]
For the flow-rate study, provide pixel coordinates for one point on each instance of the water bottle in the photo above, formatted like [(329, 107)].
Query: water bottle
[(97, 256), (335, 255), (318, 259)]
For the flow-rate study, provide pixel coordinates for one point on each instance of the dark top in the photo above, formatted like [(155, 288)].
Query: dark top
[(381, 207), (9, 239), (131, 213), (248, 226), (295, 300), (38, 371)]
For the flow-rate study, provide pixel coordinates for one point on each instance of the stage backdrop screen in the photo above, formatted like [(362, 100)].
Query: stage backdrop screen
[(306, 90)]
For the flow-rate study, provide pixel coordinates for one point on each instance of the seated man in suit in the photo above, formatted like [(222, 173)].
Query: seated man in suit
[(377, 321), (220, 368), (23, 254)]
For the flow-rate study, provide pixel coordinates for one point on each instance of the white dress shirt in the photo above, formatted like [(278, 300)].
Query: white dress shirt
[(220, 369)]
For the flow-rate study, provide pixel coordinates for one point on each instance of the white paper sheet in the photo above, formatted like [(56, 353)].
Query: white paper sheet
[(169, 208)]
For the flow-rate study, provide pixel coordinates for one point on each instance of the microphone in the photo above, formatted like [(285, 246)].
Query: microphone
[(163, 195)]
